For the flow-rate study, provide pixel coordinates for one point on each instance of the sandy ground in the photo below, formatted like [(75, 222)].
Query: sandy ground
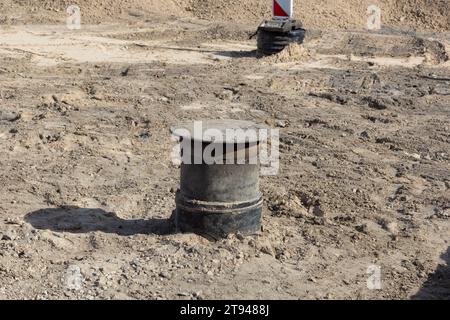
[(320, 14), (87, 184)]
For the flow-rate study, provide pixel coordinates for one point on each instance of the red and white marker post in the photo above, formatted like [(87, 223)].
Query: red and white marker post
[(283, 9)]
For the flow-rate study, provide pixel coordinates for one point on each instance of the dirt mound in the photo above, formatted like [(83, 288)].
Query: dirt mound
[(435, 52), (292, 53), (322, 14), (97, 11), (335, 14), (427, 14)]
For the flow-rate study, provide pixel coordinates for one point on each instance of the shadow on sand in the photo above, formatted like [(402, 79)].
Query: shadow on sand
[(222, 53), (437, 285), (84, 220)]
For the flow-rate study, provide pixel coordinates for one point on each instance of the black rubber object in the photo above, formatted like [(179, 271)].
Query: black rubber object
[(270, 42), (219, 198), (217, 220)]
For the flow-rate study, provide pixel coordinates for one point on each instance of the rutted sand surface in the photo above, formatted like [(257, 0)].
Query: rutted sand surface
[(49, 48)]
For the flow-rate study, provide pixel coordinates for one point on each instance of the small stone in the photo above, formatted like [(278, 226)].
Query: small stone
[(6, 237), (391, 227), (165, 275), (362, 228), (136, 13), (144, 135), (125, 72), (226, 95), (266, 248), (317, 211), (183, 294), (98, 97), (8, 116), (281, 123), (364, 135), (240, 236), (443, 214), (198, 295)]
